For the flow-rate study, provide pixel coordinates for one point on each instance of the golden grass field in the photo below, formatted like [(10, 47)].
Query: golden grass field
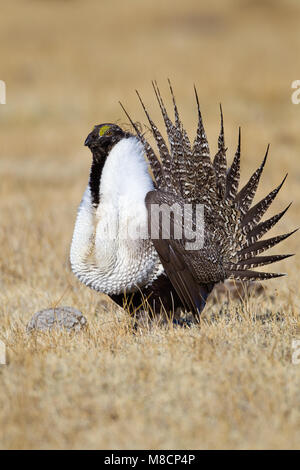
[(229, 383)]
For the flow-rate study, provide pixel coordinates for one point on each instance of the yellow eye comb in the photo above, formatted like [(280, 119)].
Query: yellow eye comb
[(103, 130)]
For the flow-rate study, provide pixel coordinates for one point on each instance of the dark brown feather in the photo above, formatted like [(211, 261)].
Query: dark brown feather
[(253, 216), (261, 246), (245, 197), (259, 230), (253, 275), (219, 163), (233, 174)]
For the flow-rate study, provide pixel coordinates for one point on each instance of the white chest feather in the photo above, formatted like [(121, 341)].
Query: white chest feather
[(110, 251)]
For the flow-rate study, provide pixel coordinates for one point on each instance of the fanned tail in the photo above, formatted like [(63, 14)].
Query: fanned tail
[(233, 225)]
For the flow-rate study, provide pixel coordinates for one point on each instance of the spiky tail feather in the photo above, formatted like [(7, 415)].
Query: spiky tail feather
[(188, 171)]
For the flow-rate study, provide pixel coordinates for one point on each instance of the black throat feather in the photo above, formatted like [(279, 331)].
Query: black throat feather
[(95, 177)]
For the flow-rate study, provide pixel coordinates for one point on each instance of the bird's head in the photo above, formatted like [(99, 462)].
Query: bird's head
[(103, 138)]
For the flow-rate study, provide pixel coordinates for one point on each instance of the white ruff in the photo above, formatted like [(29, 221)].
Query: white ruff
[(107, 252)]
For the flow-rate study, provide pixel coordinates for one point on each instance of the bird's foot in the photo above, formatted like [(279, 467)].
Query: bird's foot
[(182, 322)]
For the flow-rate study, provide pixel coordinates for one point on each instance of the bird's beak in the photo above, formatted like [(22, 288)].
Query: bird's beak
[(88, 140)]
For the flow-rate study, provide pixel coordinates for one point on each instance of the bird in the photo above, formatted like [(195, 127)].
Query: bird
[(114, 249)]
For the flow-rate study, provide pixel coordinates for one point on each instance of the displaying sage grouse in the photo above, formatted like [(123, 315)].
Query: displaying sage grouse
[(158, 270)]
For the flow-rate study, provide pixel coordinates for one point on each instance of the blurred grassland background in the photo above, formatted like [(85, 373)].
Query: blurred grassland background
[(66, 64)]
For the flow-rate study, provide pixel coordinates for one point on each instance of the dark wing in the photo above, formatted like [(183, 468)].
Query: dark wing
[(176, 260)]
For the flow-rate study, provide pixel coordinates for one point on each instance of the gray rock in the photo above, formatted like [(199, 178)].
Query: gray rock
[(67, 318)]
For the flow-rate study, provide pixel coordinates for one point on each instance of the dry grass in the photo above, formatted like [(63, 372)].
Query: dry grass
[(228, 384)]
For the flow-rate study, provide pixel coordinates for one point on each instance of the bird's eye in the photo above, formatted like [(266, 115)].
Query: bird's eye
[(104, 130)]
